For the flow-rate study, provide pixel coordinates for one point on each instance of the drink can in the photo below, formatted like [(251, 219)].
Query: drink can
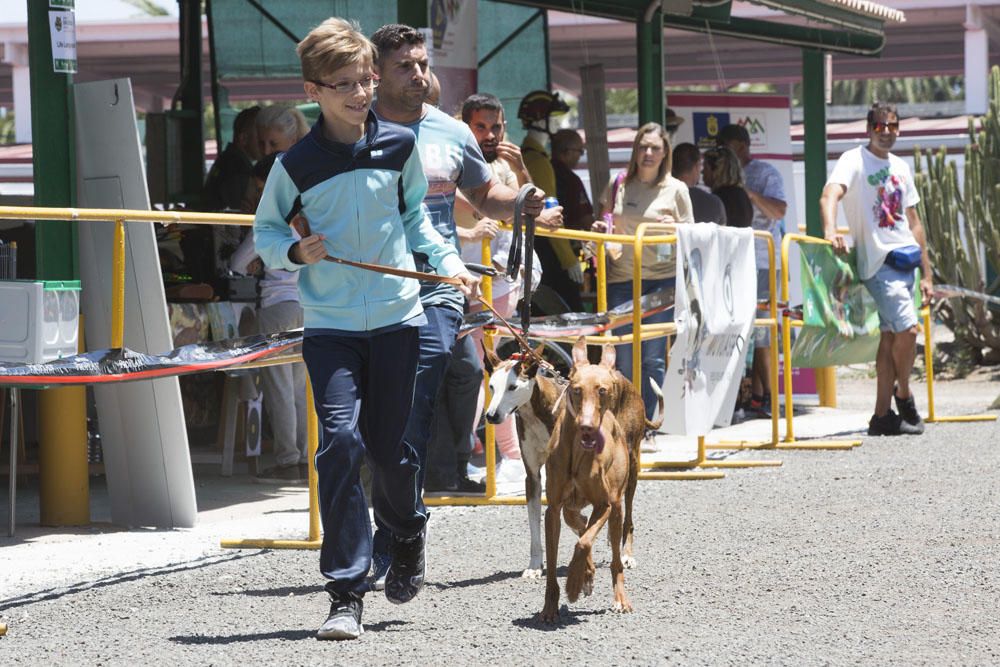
[(551, 202)]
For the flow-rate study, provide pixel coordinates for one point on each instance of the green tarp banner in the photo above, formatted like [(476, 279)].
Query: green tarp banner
[(839, 315)]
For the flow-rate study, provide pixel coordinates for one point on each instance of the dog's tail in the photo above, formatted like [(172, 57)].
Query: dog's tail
[(650, 425)]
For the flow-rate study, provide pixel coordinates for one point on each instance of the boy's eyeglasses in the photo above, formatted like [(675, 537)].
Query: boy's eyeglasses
[(345, 87), (882, 127)]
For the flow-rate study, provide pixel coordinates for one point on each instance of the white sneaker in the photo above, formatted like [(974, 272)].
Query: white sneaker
[(474, 473), (510, 471)]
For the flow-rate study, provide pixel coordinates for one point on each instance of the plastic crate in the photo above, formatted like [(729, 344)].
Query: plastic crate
[(39, 320)]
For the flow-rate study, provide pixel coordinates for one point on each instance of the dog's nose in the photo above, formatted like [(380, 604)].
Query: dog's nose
[(493, 418), (587, 429)]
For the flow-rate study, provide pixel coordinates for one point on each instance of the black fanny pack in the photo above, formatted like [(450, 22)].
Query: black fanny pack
[(906, 258)]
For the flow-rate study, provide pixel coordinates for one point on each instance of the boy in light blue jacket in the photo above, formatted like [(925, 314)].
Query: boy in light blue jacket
[(359, 183)]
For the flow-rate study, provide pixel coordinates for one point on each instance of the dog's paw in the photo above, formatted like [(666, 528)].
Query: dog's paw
[(622, 606), (628, 562), (549, 614), (588, 583), (532, 573)]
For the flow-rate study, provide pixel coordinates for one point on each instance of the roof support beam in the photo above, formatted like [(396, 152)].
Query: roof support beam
[(837, 41), (814, 135), (649, 37)]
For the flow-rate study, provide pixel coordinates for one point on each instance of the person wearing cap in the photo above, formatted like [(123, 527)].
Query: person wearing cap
[(561, 270), (671, 122), (766, 189)]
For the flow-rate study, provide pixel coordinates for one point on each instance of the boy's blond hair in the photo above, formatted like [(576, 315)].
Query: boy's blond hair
[(331, 45)]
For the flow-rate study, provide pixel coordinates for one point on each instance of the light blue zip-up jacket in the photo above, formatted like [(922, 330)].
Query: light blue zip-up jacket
[(366, 199)]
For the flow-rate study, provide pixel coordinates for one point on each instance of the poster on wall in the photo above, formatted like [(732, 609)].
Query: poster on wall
[(767, 119), (453, 49)]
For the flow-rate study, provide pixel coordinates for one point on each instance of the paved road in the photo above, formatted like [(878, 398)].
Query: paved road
[(886, 554)]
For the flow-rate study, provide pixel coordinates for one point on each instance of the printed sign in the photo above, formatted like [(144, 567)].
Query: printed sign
[(715, 304), (62, 27), (707, 125), (756, 125)]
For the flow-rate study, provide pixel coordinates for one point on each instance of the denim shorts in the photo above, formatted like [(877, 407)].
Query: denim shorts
[(762, 335), (892, 290)]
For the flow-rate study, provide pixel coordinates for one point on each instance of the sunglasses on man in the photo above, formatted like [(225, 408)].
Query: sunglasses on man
[(882, 127)]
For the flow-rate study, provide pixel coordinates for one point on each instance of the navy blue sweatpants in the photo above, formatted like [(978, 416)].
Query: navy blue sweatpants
[(363, 389)]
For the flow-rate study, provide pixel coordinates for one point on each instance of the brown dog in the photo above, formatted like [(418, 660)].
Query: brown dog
[(518, 386), (588, 463)]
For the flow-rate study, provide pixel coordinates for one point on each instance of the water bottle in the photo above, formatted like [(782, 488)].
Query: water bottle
[(550, 202)]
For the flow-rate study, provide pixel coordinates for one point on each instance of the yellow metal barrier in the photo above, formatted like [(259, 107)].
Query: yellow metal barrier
[(786, 342), (932, 417)]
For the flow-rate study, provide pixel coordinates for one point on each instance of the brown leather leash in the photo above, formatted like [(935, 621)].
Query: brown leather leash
[(447, 280), (301, 224)]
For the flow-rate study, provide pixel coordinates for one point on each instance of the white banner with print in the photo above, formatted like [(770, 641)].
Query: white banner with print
[(715, 305)]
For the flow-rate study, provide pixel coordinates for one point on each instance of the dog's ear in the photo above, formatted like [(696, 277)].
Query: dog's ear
[(580, 352), (489, 357), (540, 348), (528, 369), (608, 356)]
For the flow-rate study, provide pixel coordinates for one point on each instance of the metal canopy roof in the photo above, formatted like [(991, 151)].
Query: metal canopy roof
[(849, 26)]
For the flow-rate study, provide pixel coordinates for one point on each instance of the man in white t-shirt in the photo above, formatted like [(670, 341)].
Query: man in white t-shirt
[(879, 198)]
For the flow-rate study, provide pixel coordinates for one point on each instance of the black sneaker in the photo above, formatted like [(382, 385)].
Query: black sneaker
[(406, 572), (887, 424), (344, 621), (912, 423), (460, 485), (279, 474), (380, 567)]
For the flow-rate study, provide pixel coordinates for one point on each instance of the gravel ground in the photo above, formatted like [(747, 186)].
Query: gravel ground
[(886, 554)]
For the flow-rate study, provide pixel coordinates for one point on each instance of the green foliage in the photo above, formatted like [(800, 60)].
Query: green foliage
[(963, 227), (622, 101), (908, 90), (7, 129)]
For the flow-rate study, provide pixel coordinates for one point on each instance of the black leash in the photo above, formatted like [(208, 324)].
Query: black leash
[(523, 248)]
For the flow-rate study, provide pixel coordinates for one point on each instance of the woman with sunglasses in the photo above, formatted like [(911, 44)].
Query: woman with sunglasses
[(723, 174), (647, 192)]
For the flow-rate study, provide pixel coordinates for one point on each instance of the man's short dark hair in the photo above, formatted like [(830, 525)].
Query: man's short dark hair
[(245, 120), (881, 109), (394, 35), (565, 138), (478, 102), (732, 132), (686, 156)]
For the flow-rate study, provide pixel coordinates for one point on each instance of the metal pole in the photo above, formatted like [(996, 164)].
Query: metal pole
[(814, 116), (118, 287), (64, 495), (12, 506), (649, 38)]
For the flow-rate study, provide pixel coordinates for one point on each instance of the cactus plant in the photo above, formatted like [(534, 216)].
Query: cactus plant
[(963, 229)]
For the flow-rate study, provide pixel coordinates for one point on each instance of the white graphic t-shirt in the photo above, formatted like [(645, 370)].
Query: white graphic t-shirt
[(878, 194)]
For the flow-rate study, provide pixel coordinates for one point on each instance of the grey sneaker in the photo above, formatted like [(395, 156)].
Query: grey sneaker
[(344, 621), (380, 567), (914, 425), (405, 577), (279, 474)]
